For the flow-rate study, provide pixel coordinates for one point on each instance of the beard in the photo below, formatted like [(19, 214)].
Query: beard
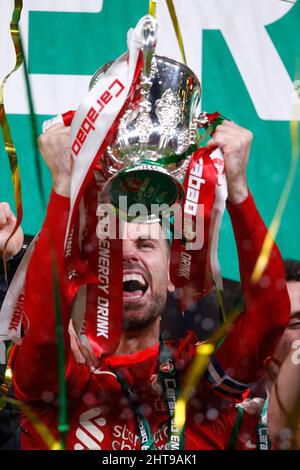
[(136, 318)]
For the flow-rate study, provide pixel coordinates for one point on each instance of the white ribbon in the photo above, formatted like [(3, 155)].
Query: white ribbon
[(13, 295), (221, 194), (122, 70)]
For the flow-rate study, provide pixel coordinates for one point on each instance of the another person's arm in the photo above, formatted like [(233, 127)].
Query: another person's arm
[(284, 404), (14, 255), (239, 360), (9, 416)]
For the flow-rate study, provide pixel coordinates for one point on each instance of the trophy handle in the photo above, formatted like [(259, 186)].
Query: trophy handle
[(149, 43), (98, 74), (201, 121)]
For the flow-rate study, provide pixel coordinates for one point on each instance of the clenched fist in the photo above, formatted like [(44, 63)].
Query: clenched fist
[(55, 148), (7, 224), (235, 143)]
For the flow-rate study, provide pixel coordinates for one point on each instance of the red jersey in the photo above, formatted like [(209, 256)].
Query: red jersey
[(100, 415)]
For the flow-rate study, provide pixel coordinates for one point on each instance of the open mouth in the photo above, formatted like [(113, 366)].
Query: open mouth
[(134, 286)]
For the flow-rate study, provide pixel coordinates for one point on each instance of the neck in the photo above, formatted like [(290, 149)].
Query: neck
[(134, 341)]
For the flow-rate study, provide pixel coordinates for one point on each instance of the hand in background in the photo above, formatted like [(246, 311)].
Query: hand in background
[(7, 224)]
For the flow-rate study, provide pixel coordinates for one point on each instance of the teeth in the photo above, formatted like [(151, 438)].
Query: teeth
[(134, 277)]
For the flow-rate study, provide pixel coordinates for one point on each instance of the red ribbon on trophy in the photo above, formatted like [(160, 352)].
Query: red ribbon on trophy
[(195, 269)]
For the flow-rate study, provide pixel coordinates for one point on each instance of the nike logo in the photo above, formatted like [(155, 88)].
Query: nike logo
[(250, 445), (99, 372)]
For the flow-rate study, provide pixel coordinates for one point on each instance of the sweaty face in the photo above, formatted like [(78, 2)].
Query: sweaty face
[(146, 278), (292, 331)]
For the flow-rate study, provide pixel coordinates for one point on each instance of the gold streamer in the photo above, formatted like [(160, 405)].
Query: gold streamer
[(199, 366), (43, 431), (265, 253), (152, 11), (152, 8), (7, 138), (176, 28), (220, 296), (40, 427)]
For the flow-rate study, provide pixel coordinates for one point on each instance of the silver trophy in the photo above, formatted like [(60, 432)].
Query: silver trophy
[(147, 157)]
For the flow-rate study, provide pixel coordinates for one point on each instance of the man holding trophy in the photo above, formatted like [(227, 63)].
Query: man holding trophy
[(135, 137)]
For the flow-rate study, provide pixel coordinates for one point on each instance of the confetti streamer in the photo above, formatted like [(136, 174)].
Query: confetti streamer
[(152, 8), (220, 296), (289, 1), (152, 11), (39, 426), (7, 138), (199, 365), (264, 256), (176, 28), (42, 430), (63, 425), (34, 128)]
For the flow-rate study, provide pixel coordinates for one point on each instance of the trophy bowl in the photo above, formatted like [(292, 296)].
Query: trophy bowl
[(146, 158)]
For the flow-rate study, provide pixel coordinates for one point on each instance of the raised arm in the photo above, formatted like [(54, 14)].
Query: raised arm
[(14, 256), (239, 360), (35, 364)]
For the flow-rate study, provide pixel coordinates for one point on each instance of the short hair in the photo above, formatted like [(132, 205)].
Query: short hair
[(292, 270)]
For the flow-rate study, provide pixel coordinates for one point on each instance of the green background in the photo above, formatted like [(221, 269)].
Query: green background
[(56, 42)]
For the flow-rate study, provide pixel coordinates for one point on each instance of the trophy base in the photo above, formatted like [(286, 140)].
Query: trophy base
[(144, 193)]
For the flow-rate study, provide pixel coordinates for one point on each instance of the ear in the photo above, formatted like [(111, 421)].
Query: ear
[(170, 285)]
